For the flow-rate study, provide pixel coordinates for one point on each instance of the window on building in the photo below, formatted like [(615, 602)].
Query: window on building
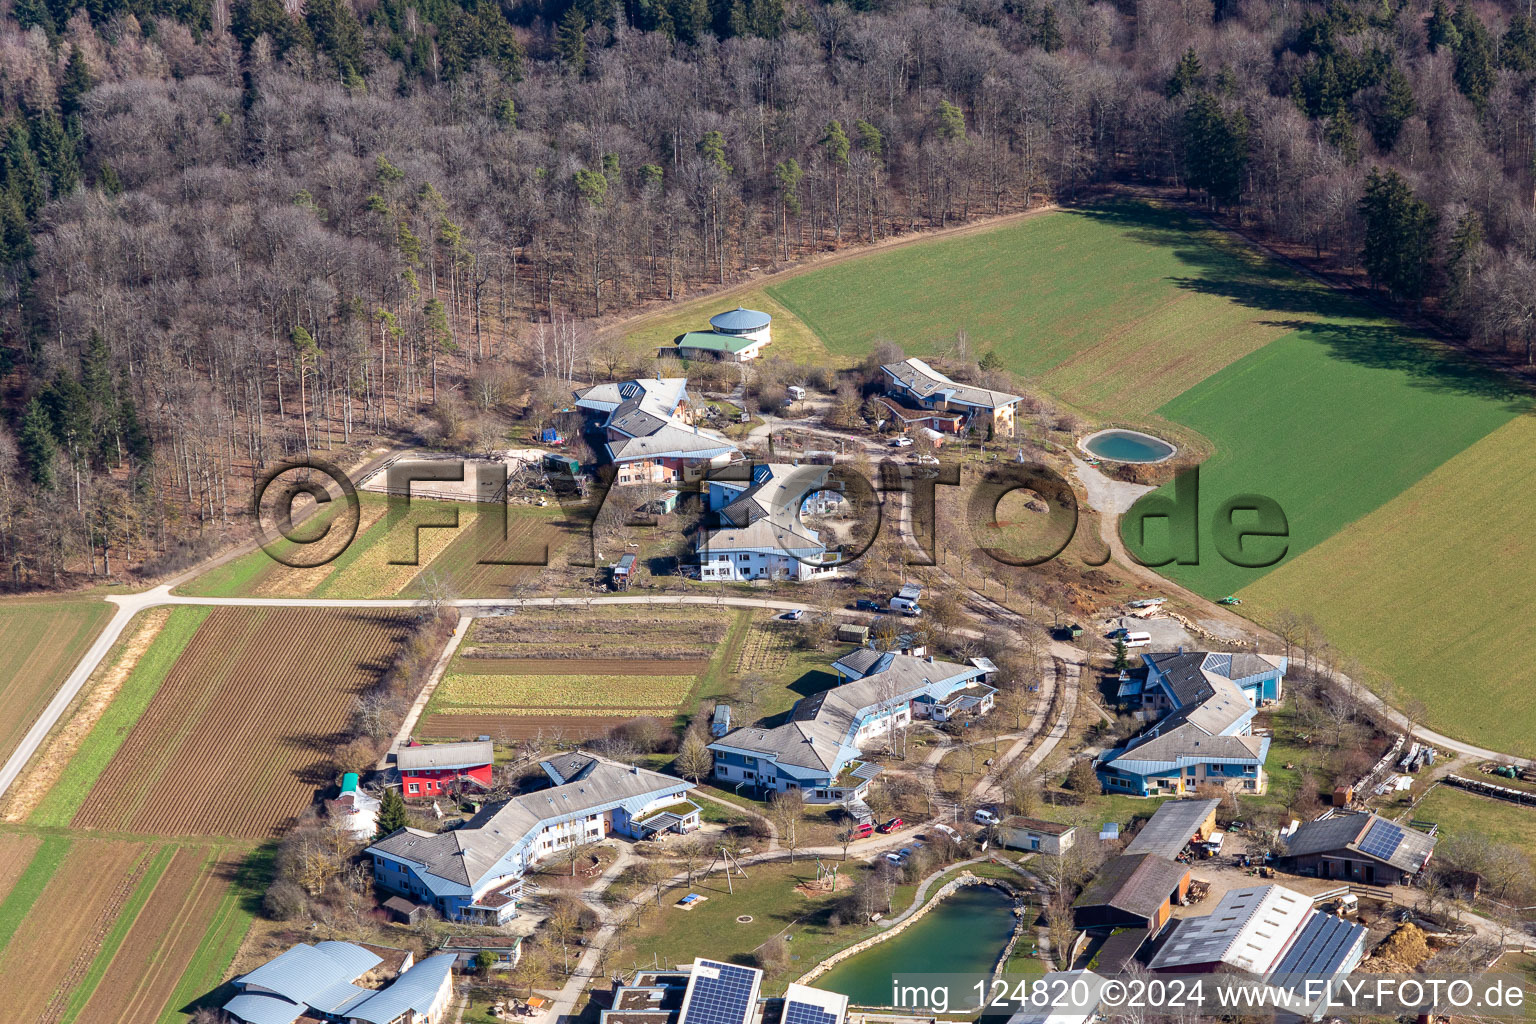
[(413, 788)]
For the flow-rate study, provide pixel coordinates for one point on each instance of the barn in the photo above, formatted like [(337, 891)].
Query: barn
[(430, 769)]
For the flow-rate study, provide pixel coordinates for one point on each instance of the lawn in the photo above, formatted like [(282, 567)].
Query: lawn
[(1417, 603), (1331, 421), (767, 896), (1115, 309), (1458, 812), (46, 639)]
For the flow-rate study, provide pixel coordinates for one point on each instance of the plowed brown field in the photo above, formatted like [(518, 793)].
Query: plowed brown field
[(163, 940), (15, 854), (61, 935), (235, 742)]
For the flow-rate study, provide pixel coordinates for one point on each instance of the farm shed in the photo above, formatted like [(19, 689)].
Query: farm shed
[(430, 769), (1358, 848), (1175, 825), (402, 910), (720, 724), (623, 572), (562, 465), (849, 633), (1248, 930), (1132, 891)]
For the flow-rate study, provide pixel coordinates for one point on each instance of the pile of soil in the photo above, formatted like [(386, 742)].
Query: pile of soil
[(1402, 952)]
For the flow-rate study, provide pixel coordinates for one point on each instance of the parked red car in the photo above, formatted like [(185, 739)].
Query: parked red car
[(891, 826), (863, 831)]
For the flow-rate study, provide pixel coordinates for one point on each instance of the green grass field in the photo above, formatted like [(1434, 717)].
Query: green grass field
[(1332, 422), (1417, 601), (1114, 309), (1458, 812), (44, 641)]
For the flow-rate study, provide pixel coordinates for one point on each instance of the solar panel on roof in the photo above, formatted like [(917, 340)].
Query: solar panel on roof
[(796, 1012), (1382, 840), (720, 994)]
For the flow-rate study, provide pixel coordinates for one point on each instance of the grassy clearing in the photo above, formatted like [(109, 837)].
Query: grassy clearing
[(768, 896), (1458, 812), (1332, 422), (260, 573), (1114, 309), (792, 339), (43, 640), (66, 796), (1416, 603), (386, 557)]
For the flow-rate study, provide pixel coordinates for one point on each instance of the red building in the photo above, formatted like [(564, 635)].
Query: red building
[(427, 770)]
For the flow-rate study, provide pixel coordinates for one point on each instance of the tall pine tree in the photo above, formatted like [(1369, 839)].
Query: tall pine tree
[(1399, 235)]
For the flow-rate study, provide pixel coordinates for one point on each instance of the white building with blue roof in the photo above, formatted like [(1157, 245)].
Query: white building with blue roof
[(736, 335), (321, 981), (1204, 703), (475, 872)]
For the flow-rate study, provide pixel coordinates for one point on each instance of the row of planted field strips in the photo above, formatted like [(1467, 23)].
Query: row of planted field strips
[(577, 674), (237, 737), (43, 640), (463, 546), (127, 892), (113, 930)]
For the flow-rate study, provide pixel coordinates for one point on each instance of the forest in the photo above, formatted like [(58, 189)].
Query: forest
[(237, 230)]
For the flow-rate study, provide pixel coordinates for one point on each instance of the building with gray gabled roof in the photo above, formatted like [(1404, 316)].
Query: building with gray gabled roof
[(1204, 703), (758, 532), (1364, 848), (919, 386), (474, 872), (650, 433), (817, 748)]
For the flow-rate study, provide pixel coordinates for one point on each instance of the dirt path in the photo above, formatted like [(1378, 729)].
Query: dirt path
[(412, 716)]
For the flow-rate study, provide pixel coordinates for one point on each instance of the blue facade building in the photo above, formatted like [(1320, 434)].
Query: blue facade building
[(1204, 703)]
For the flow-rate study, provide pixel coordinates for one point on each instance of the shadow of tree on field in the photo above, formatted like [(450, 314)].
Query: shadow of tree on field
[(1233, 271), (1349, 328), (1428, 363)]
